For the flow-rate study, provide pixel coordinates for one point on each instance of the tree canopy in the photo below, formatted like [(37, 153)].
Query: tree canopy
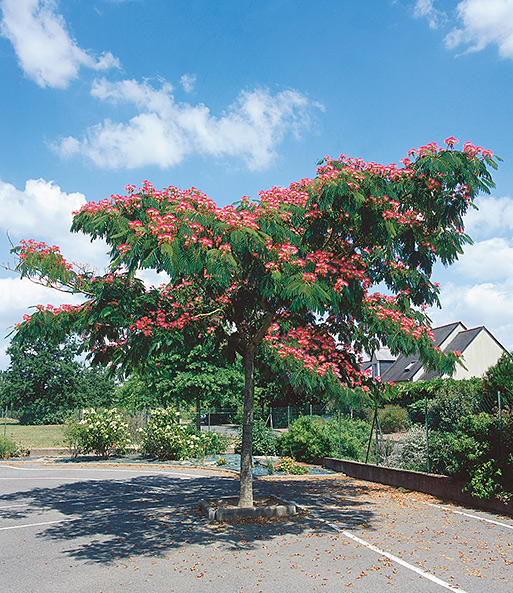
[(293, 272)]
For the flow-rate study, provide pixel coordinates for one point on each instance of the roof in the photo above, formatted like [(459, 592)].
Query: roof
[(406, 367), (458, 344)]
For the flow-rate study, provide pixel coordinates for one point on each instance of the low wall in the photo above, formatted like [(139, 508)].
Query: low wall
[(439, 486)]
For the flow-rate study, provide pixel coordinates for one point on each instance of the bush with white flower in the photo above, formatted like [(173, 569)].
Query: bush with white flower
[(103, 432), (165, 438)]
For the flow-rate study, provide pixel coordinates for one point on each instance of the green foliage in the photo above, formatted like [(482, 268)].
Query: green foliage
[(165, 438), (310, 439), (265, 442), (43, 382), (213, 443), (441, 446), (288, 465), (393, 419), (452, 404), (481, 457), (411, 452), (186, 373), (307, 439), (499, 378), (10, 449), (103, 432), (448, 401)]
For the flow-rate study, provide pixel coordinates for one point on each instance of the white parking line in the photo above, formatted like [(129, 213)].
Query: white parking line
[(470, 515), (388, 555), (90, 516), (400, 561), (37, 524), (156, 471)]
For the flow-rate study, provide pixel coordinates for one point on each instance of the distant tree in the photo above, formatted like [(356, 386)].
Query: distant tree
[(499, 378), (44, 382), (286, 273), (188, 372)]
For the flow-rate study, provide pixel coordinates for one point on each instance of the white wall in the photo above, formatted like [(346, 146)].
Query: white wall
[(482, 353)]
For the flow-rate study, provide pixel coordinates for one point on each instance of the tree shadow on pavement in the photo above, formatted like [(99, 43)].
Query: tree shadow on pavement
[(104, 521)]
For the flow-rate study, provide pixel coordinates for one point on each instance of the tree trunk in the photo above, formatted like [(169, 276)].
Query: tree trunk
[(246, 470)]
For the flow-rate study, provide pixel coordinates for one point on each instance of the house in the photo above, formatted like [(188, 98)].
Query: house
[(479, 349), (380, 362)]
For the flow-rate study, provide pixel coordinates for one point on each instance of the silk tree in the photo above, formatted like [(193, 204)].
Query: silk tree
[(293, 272)]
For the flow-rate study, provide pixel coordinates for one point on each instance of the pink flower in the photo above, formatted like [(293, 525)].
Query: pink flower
[(124, 248), (451, 141)]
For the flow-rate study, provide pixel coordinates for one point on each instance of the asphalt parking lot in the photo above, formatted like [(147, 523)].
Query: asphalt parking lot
[(91, 528)]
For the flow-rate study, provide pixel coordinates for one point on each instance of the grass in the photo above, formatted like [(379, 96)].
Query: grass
[(44, 436)]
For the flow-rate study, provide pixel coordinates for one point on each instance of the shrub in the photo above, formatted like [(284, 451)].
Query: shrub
[(10, 449), (479, 457), (393, 419), (165, 438), (411, 452), (288, 465), (309, 439), (265, 442), (211, 443), (101, 432)]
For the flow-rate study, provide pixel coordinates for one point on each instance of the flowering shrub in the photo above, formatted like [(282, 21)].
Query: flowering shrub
[(288, 465), (165, 438), (10, 449), (101, 432)]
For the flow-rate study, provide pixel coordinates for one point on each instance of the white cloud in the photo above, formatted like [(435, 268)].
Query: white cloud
[(46, 51), (188, 82), (42, 211), (426, 8), (17, 297), (478, 288), (494, 216), (488, 260), (484, 22), (483, 303), (164, 132)]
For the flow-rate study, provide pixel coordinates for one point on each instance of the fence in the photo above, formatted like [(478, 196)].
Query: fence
[(29, 434), (423, 446)]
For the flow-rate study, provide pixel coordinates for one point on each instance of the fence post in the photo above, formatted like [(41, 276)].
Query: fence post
[(339, 441), (377, 437), (288, 416), (370, 436), (427, 432), (499, 402), (5, 422)]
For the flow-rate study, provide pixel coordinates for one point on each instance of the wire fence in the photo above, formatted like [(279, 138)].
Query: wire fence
[(30, 434), (432, 421)]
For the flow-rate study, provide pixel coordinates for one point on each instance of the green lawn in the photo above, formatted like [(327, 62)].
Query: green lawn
[(33, 436)]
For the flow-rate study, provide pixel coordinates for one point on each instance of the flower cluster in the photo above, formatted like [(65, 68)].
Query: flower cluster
[(103, 432)]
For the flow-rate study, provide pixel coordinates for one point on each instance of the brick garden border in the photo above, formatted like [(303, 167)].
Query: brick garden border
[(439, 486)]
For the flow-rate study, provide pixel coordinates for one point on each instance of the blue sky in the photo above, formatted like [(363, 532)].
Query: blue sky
[(236, 96)]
